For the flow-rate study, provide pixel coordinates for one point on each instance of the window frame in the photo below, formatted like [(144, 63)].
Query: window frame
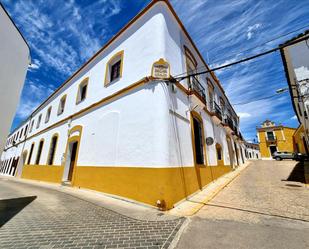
[(190, 62), (219, 147), (83, 83), (48, 114), (30, 153), (38, 123), (63, 100), (39, 152), (31, 125), (119, 56), (56, 135)]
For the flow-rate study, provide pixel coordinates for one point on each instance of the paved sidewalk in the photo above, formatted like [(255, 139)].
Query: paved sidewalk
[(37, 217), (265, 207), (193, 204)]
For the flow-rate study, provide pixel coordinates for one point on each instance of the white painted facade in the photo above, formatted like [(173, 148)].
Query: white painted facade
[(252, 151), (147, 126), (14, 61)]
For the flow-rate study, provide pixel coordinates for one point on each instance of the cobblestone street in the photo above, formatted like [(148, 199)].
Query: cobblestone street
[(35, 217), (267, 206)]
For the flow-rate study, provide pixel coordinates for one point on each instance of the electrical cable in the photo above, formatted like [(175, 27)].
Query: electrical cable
[(242, 60), (262, 44), (248, 102)]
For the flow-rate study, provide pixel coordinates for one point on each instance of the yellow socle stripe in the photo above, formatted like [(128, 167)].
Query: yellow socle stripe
[(46, 173), (147, 184), (142, 184)]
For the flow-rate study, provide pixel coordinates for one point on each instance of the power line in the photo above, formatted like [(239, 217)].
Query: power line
[(251, 101), (242, 51), (242, 60), (262, 44)]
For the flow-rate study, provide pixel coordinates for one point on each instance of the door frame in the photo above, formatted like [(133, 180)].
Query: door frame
[(71, 139), (197, 166), (230, 150)]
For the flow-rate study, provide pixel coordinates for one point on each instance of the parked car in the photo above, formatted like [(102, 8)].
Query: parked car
[(280, 155), (301, 157)]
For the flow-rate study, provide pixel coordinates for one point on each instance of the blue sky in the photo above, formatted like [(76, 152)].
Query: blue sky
[(63, 34)]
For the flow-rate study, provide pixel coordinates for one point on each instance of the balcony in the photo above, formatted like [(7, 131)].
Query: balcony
[(216, 112), (228, 125), (271, 140), (197, 88)]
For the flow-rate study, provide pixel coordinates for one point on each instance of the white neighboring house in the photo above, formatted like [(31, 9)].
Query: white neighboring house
[(252, 151), (14, 61), (122, 125)]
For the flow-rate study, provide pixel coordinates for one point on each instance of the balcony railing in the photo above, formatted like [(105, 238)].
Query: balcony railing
[(229, 122), (197, 87), (271, 139), (216, 109)]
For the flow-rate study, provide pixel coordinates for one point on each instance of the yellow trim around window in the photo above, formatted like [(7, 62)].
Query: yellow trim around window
[(119, 54), (81, 84), (50, 144), (64, 97)]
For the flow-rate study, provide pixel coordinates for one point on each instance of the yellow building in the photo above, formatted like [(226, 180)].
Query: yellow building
[(299, 141), (273, 138)]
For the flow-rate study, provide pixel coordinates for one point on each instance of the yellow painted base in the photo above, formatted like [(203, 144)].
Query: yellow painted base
[(147, 184), (44, 173), (142, 184)]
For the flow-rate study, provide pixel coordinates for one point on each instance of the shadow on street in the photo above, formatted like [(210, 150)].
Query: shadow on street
[(297, 174), (10, 207)]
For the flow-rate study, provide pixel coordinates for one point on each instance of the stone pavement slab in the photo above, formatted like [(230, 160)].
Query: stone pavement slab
[(36, 217), (262, 208)]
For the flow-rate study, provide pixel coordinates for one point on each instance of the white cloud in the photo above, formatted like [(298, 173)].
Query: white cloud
[(64, 38), (35, 64), (252, 29), (294, 117), (33, 94), (244, 114)]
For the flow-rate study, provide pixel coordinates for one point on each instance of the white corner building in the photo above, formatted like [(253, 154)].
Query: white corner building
[(122, 125), (14, 61)]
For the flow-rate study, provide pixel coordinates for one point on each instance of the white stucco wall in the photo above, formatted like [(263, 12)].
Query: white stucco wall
[(149, 126), (14, 60)]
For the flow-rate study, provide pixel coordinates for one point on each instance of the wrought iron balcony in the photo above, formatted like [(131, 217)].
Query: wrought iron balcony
[(271, 139), (197, 87), (216, 109), (228, 121)]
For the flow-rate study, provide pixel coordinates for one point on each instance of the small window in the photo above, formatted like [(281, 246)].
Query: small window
[(31, 126), (114, 68), (30, 154), (26, 129), (219, 152), (62, 104), (82, 91), (52, 150), (38, 155), (47, 117), (191, 63), (39, 121)]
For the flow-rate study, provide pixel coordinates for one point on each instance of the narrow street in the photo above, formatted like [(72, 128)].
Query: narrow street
[(267, 206)]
